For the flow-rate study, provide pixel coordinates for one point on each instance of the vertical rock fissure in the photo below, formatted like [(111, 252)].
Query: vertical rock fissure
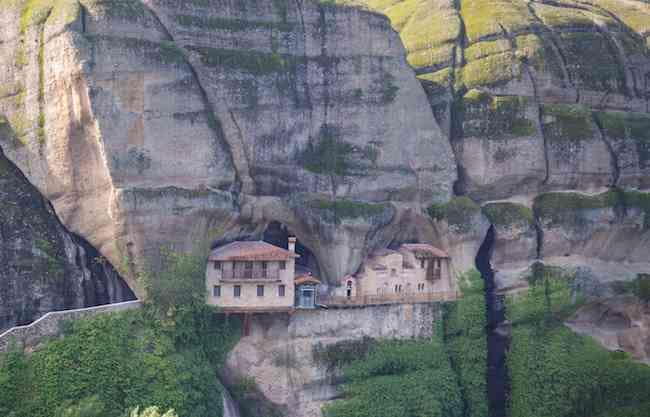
[(557, 49), (497, 340), (239, 160), (613, 157)]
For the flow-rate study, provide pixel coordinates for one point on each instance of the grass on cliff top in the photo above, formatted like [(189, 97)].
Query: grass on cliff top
[(564, 207), (623, 125), (488, 71), (459, 212), (508, 214), (485, 18), (572, 122), (556, 373)]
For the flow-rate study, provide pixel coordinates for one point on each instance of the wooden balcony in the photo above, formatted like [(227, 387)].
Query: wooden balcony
[(253, 274)]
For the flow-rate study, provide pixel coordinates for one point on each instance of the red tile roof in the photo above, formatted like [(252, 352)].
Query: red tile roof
[(250, 251), (423, 250)]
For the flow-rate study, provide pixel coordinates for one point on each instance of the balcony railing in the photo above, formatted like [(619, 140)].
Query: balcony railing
[(254, 274), (434, 274), (389, 299)]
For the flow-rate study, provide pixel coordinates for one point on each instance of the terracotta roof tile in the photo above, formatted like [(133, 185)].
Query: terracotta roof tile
[(250, 251)]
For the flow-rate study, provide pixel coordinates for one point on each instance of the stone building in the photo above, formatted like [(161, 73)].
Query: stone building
[(413, 269), (252, 276)]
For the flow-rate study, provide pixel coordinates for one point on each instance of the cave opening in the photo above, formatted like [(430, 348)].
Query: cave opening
[(497, 341), (278, 234)]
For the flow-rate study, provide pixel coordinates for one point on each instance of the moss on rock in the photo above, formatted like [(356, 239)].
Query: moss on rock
[(459, 213), (494, 117), (508, 214), (569, 122)]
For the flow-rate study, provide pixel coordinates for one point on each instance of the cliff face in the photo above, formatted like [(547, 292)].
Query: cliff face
[(158, 123), (42, 266), (166, 123)]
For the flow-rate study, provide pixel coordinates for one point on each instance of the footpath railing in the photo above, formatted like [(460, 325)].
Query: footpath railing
[(389, 299), (49, 325)]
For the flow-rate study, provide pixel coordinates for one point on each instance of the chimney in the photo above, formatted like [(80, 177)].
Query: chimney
[(292, 244)]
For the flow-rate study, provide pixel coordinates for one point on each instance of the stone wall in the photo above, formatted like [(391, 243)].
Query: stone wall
[(50, 324)]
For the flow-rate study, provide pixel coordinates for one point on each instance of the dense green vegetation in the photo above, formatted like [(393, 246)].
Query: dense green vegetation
[(555, 372), (164, 355), (398, 379), (444, 376)]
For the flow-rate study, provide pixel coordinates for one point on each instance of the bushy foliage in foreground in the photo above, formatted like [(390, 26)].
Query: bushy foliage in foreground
[(165, 355), (466, 340), (400, 379), (556, 373)]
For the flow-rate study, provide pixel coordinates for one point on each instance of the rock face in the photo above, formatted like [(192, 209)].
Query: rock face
[(620, 323), (42, 266), (282, 354), (164, 123), (152, 123)]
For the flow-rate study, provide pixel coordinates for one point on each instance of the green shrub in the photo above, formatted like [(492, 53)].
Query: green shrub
[(572, 122), (556, 373), (400, 378)]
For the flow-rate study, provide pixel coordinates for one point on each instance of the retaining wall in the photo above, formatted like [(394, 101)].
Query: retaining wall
[(50, 324)]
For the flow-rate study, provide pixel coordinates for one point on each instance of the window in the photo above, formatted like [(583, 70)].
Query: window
[(437, 263), (349, 283), (283, 265), (248, 270), (216, 291), (396, 287), (422, 262), (236, 291), (393, 272), (281, 290), (217, 265), (264, 268), (260, 290)]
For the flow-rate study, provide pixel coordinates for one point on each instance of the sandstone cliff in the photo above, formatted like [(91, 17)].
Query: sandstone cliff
[(152, 123)]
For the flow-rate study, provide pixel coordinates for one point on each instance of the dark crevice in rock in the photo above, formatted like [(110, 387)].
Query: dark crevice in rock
[(539, 239), (613, 156), (540, 122), (241, 170), (497, 374), (45, 267)]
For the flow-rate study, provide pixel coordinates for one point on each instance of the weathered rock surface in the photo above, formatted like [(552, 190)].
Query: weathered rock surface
[(153, 123), (619, 323), (281, 354), (42, 266)]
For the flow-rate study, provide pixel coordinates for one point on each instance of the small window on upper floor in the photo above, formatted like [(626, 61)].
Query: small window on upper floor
[(422, 263), (260, 290), (236, 291), (283, 265), (217, 265), (216, 291), (281, 290), (438, 263)]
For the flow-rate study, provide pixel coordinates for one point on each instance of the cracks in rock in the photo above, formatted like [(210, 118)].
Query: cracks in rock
[(322, 24), (555, 44), (613, 156), (538, 101), (239, 160), (308, 102)]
